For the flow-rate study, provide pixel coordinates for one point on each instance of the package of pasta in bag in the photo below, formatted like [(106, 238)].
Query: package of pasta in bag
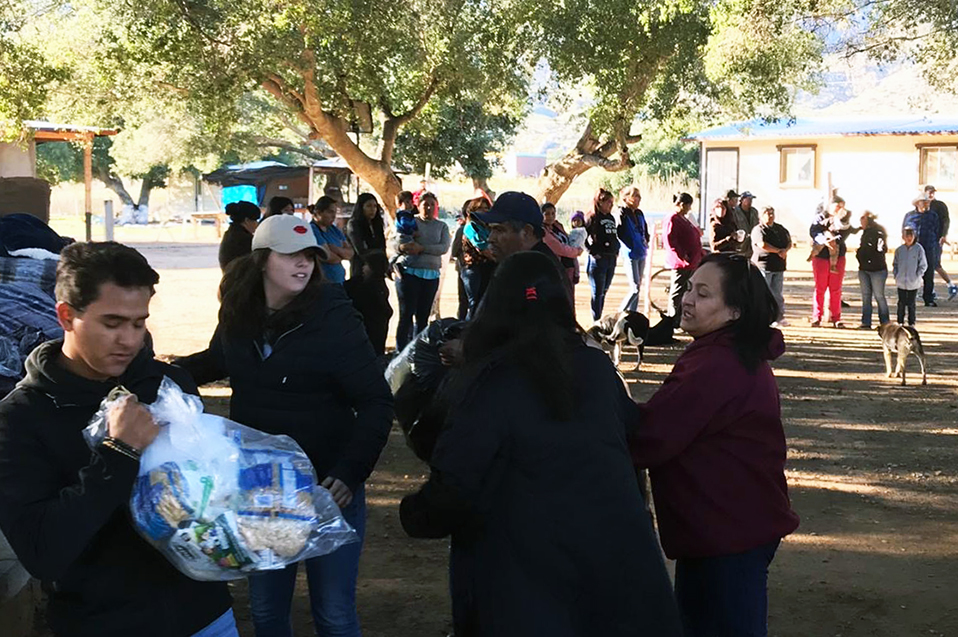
[(221, 500)]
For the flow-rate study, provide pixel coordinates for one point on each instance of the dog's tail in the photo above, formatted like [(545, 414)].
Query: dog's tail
[(633, 339)]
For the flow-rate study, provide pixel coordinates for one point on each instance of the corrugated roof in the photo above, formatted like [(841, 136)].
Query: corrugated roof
[(831, 127)]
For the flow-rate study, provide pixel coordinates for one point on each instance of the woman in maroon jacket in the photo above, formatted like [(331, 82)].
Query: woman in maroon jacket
[(713, 442), (683, 250)]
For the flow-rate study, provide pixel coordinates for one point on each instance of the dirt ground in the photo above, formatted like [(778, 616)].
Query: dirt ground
[(872, 468)]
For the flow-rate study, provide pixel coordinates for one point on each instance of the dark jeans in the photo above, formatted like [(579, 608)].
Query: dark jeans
[(906, 301), (475, 280), (462, 310), (725, 596), (601, 270), (928, 279), (680, 285), (332, 587), (415, 302)]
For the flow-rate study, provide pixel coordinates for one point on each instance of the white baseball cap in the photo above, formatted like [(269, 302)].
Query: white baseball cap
[(285, 234)]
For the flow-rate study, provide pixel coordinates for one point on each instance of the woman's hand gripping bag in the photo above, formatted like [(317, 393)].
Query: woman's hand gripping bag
[(221, 500)]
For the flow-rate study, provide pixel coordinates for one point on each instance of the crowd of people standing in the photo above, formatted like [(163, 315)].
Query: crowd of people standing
[(537, 474)]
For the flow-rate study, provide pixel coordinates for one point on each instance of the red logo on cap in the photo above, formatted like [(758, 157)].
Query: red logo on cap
[(299, 229)]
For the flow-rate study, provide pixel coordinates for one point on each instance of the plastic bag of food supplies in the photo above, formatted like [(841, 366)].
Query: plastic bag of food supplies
[(221, 500), (415, 377)]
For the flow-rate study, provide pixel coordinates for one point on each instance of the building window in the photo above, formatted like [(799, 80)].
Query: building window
[(797, 166), (939, 166)]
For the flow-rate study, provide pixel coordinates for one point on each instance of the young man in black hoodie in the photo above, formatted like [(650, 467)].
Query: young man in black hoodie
[(63, 508)]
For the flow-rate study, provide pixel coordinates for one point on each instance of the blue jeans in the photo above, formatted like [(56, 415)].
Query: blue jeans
[(332, 587), (776, 285), (633, 272), (601, 270), (873, 284), (415, 302), (225, 626), (475, 280), (725, 596)]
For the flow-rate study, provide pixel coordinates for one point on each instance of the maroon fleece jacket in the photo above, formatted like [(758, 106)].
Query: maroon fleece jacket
[(713, 442)]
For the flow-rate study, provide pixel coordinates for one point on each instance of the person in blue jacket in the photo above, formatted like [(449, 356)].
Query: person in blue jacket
[(633, 232), (927, 225), (300, 364)]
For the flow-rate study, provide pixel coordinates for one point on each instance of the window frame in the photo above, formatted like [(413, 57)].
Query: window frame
[(923, 178), (783, 152)]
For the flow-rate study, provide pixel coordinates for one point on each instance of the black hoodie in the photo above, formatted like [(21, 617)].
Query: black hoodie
[(64, 509)]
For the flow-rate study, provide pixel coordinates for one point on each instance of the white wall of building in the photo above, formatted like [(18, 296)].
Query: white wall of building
[(18, 161), (876, 173)]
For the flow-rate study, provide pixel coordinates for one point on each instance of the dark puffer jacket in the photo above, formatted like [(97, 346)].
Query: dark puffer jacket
[(64, 509), (320, 385), (549, 530)]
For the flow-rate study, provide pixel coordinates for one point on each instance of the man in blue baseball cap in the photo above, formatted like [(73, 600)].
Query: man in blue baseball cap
[(515, 225)]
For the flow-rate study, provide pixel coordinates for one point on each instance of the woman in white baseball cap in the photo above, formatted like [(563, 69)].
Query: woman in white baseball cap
[(300, 364)]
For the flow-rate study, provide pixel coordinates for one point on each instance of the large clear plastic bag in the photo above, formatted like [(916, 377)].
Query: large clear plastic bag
[(221, 500)]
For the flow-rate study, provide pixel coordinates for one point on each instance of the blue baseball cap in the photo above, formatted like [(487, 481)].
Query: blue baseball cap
[(513, 206)]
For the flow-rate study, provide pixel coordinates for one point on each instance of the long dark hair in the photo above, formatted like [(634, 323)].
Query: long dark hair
[(526, 319), (243, 312), (371, 228), (600, 195), (744, 289)]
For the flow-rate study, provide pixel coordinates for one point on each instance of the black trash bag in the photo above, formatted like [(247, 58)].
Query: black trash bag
[(416, 377)]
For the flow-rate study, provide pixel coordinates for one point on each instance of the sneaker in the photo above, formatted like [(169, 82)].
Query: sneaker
[(931, 304), (952, 291), (838, 325), (816, 323), (864, 327)]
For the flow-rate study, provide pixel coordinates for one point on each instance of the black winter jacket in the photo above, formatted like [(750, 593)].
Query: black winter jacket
[(237, 242), (64, 509), (872, 249), (549, 530), (320, 385)]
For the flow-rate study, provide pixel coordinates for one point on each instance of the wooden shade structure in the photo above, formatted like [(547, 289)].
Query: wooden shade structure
[(83, 135)]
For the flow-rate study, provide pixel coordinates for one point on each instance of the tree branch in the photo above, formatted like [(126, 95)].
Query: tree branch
[(420, 104), (270, 142)]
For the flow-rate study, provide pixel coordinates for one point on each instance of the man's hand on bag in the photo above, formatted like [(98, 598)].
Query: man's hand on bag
[(338, 489), (130, 422)]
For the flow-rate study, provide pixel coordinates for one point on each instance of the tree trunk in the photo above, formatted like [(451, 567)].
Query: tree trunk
[(333, 130), (145, 189), (114, 183), (589, 152), (482, 183)]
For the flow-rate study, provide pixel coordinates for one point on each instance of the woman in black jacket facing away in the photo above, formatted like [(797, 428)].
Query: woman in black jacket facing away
[(300, 364), (531, 476), (238, 239), (365, 229), (872, 269)]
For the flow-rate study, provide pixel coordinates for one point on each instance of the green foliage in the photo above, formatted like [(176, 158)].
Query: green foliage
[(457, 131), (25, 74), (316, 55)]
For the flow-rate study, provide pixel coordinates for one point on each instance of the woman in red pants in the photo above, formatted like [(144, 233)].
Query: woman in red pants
[(828, 234)]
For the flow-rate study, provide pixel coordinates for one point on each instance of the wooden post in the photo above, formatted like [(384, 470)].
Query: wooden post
[(88, 184), (309, 191)]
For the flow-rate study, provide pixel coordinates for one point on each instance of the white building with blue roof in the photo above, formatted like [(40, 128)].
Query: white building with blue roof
[(876, 164)]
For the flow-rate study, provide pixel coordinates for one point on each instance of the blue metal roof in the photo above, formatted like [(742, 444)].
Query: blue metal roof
[(831, 127)]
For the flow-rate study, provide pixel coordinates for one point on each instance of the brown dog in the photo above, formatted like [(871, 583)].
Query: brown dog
[(904, 340)]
